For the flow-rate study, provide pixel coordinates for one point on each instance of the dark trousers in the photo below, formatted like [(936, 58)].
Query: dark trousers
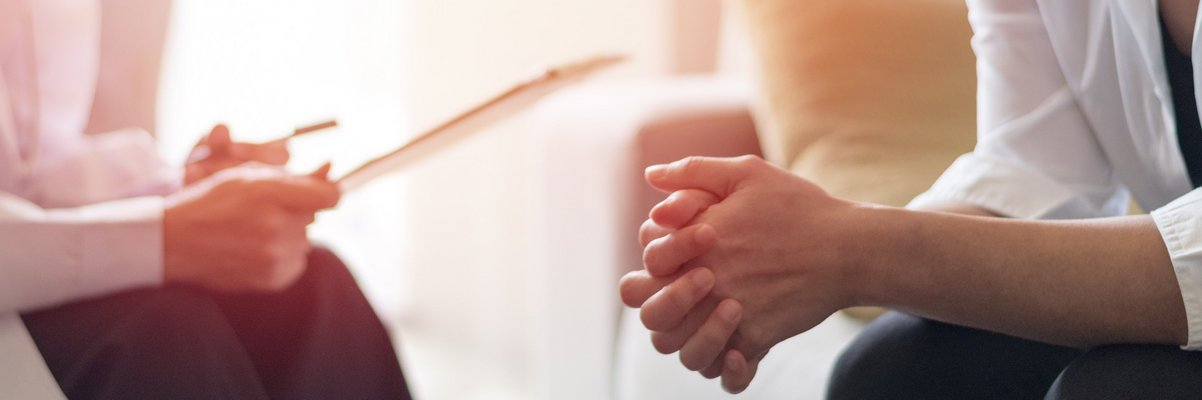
[(900, 356), (319, 339)]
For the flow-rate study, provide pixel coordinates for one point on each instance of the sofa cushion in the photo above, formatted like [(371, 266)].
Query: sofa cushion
[(870, 99)]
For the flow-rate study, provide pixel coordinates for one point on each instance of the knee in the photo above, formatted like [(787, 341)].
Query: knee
[(1130, 371), (163, 343), (325, 269), (328, 285), (174, 319), (885, 358), (323, 256), (147, 324)]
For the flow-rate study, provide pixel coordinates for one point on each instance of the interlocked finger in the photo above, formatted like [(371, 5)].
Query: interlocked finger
[(668, 342), (705, 346), (666, 309), (737, 372), (664, 256), (637, 286), (681, 207), (650, 231)]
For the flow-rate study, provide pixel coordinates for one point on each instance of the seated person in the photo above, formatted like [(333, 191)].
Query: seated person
[(1067, 298), (138, 281)]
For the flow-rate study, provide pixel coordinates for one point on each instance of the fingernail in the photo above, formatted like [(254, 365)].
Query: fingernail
[(703, 278), (734, 366), (658, 209), (655, 172), (705, 235), (200, 153), (731, 312)]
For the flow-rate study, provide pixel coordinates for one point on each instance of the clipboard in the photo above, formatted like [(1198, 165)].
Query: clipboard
[(497, 108)]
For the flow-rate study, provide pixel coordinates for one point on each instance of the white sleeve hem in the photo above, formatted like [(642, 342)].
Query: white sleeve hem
[(125, 246), (63, 255), (1181, 227)]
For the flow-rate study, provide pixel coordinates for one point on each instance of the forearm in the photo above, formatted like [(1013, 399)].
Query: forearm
[(1082, 283)]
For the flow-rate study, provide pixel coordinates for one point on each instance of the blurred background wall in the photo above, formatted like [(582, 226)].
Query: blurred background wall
[(471, 312)]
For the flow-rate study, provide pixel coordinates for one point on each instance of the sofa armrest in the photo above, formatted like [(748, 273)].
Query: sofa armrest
[(589, 150)]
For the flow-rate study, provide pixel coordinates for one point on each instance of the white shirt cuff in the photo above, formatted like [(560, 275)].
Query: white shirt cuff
[(125, 245), (1180, 224), (65, 255)]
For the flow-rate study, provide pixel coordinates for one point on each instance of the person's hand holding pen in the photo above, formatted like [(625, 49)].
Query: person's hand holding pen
[(217, 151), (239, 223)]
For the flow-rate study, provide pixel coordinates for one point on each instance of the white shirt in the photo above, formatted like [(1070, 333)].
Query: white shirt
[(72, 225), (1075, 116)]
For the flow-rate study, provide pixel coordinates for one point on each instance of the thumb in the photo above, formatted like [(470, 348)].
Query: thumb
[(322, 172), (719, 176)]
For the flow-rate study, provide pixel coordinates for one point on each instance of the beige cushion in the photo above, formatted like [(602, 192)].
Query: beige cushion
[(871, 99)]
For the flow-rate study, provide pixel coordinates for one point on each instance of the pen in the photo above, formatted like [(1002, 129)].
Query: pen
[(320, 126), (203, 153)]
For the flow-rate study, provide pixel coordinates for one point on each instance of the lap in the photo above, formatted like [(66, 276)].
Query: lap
[(317, 339), (151, 343), (900, 356), (1131, 372)]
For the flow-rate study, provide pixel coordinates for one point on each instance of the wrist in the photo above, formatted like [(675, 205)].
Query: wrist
[(882, 240), (175, 227), (171, 256)]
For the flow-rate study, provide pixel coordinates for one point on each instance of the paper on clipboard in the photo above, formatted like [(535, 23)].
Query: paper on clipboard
[(474, 120)]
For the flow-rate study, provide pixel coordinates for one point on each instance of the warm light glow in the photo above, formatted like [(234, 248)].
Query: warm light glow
[(266, 67), (443, 250)]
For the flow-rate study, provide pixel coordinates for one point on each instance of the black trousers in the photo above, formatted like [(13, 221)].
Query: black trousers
[(319, 339), (900, 356)]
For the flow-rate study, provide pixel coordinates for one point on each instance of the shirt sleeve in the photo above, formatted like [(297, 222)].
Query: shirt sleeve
[(1036, 155), (101, 167), (72, 224), (1181, 226), (53, 256)]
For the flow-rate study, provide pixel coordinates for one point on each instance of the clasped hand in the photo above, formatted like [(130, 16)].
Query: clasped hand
[(739, 257)]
